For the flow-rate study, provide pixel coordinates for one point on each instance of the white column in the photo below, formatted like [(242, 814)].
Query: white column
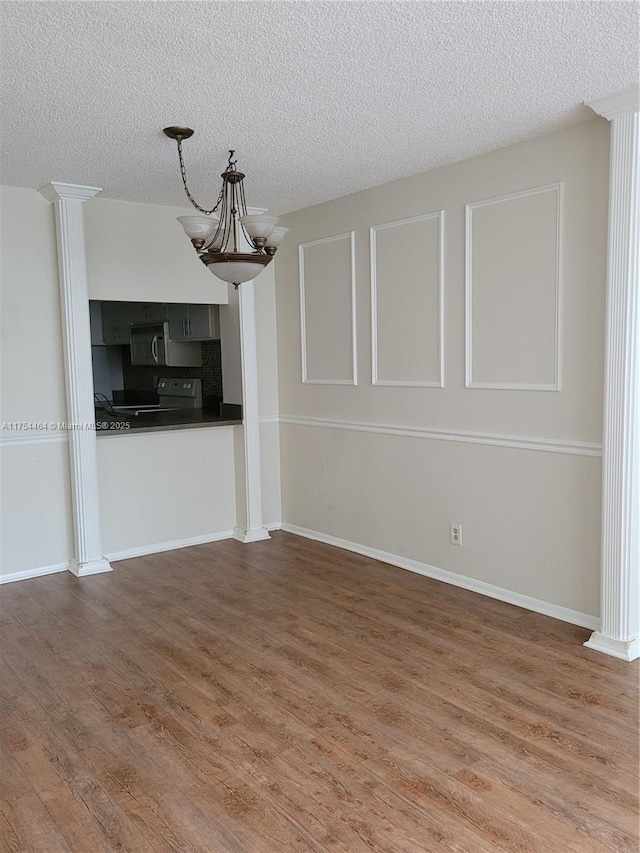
[(253, 531), (620, 570), (69, 201)]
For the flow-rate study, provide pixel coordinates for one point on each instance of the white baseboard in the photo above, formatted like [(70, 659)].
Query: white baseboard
[(159, 547), (564, 614), (621, 649), (95, 567), (34, 573), (246, 536), (275, 525)]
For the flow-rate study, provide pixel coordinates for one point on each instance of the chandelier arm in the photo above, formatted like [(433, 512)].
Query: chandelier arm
[(229, 226), (221, 222), (183, 172), (234, 215), (243, 201), (243, 212)]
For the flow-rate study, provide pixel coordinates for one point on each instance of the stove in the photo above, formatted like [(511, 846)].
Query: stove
[(173, 395)]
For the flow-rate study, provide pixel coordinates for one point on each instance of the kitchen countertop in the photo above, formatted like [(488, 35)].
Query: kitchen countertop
[(107, 425)]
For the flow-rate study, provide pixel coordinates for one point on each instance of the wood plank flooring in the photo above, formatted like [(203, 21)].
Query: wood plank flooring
[(289, 696)]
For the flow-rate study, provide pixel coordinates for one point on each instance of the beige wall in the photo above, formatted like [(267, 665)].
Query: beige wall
[(530, 516)]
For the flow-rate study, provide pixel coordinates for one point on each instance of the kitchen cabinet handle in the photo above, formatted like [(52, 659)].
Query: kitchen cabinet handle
[(154, 348)]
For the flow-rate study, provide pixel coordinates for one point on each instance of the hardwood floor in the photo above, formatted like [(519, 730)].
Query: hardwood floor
[(289, 696)]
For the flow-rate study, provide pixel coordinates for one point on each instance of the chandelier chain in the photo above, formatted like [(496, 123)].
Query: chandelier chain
[(183, 172)]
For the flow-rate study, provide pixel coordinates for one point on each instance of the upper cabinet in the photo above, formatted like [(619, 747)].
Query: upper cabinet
[(95, 321), (194, 322), (116, 322), (149, 312), (111, 321)]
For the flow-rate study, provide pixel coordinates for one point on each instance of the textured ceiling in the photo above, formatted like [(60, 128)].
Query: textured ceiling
[(320, 99)]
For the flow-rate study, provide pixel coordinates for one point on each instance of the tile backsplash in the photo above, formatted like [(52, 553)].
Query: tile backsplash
[(144, 378)]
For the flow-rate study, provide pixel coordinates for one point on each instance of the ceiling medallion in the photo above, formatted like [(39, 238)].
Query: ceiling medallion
[(235, 245)]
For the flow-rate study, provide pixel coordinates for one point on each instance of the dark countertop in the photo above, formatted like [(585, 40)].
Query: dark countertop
[(107, 425)]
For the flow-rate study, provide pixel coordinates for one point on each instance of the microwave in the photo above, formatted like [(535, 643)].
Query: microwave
[(150, 345)]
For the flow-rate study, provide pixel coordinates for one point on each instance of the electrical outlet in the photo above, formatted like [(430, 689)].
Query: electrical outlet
[(456, 533)]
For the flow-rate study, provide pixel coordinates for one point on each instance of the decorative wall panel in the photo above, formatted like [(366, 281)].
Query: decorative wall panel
[(513, 291), (327, 310), (407, 301)]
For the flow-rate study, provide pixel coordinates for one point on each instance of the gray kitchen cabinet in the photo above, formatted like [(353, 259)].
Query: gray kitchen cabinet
[(149, 312), (194, 322), (116, 322), (95, 321)]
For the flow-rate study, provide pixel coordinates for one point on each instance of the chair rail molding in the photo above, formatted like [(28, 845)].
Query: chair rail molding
[(68, 201), (620, 571)]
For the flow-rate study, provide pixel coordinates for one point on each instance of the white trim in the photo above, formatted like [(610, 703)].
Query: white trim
[(404, 383), (269, 419), (250, 418), (303, 325), (620, 548), (56, 190), (556, 611), (521, 442), (558, 188), (627, 650), (329, 382), (246, 536), (513, 386), (172, 545), (37, 438), (92, 567), (618, 104), (69, 201), (34, 573)]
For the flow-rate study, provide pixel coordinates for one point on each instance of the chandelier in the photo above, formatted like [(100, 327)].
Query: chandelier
[(235, 245)]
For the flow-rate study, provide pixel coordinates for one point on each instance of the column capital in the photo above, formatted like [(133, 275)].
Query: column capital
[(618, 104), (57, 190)]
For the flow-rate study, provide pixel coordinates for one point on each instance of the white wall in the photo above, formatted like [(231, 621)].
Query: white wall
[(139, 253), (167, 269), (35, 498), (134, 253), (35, 505), (268, 396), (517, 466), (163, 489)]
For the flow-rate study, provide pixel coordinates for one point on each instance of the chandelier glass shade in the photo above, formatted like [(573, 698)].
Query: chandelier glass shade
[(234, 244)]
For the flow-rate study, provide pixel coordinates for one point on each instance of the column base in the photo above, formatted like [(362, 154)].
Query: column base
[(256, 535), (93, 567), (622, 649)]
